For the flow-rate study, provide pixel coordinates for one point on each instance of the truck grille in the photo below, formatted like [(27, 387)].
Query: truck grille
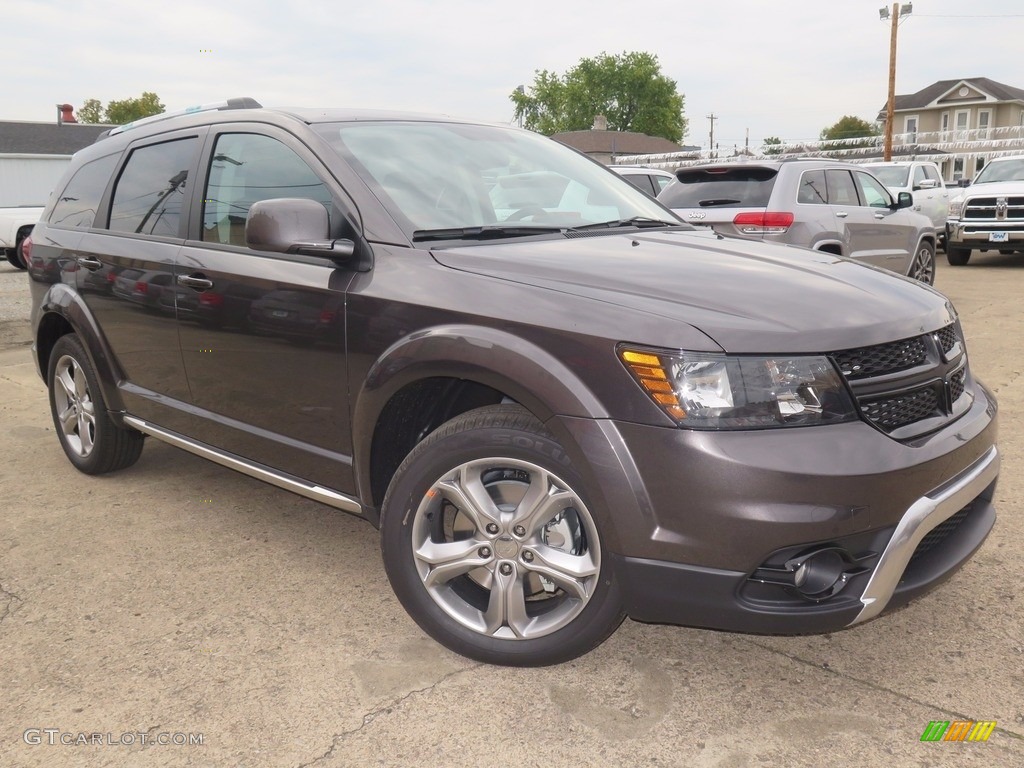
[(934, 380), (994, 209)]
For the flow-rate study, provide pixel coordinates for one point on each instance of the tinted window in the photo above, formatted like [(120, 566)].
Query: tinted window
[(640, 181), (919, 175), (840, 188), (872, 191), (660, 182), (812, 188), (150, 192), (76, 207), (728, 187), (245, 169)]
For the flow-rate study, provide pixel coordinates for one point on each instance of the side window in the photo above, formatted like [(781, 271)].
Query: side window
[(874, 194), (247, 168), (932, 173), (641, 181), (812, 188), (919, 175), (149, 194), (660, 182), (76, 206), (840, 188)]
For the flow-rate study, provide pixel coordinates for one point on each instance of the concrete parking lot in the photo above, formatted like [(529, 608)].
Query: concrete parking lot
[(180, 614)]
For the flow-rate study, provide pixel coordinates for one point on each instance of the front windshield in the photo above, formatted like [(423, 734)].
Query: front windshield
[(1002, 170), (439, 176), (891, 175)]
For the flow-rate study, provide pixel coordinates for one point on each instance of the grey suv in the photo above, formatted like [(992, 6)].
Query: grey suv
[(559, 404), (825, 205)]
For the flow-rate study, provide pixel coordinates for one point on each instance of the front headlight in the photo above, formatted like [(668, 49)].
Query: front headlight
[(955, 205), (708, 391)]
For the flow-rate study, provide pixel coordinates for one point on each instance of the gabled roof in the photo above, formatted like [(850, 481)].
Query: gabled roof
[(926, 97), (18, 138), (617, 142)]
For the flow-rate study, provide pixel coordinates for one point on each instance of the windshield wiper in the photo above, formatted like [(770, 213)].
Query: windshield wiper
[(485, 232), (718, 201), (641, 222)]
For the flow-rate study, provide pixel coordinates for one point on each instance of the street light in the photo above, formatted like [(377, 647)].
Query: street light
[(898, 11)]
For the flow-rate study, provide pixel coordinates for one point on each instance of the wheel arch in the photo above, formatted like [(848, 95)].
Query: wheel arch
[(62, 311), (434, 375)]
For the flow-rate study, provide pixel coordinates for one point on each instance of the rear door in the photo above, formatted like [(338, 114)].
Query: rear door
[(127, 260), (872, 230), (263, 334)]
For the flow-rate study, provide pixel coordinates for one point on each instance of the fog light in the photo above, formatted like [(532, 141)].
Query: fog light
[(818, 574)]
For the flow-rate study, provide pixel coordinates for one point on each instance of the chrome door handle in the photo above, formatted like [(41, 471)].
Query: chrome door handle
[(89, 263), (842, 214), (881, 215), (199, 283)]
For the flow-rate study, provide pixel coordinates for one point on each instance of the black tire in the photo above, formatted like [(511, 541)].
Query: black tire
[(91, 441), (957, 257), (923, 266), (14, 255), (482, 593)]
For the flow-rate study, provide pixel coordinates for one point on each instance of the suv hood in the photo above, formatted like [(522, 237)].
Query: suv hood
[(747, 296)]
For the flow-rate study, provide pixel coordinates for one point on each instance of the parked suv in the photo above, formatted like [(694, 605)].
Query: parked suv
[(828, 206), (650, 180), (988, 215), (559, 404), (923, 181)]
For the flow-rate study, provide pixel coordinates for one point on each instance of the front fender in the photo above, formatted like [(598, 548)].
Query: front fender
[(61, 303)]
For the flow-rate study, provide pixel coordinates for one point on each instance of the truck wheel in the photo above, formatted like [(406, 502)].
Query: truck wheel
[(958, 257), (490, 546), (91, 441), (923, 267), (14, 255)]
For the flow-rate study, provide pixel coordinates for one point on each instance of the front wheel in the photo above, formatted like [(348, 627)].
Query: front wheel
[(923, 266), (957, 257), (91, 441), (491, 547)]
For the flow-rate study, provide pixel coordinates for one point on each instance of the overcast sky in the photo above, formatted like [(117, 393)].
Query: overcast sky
[(771, 67)]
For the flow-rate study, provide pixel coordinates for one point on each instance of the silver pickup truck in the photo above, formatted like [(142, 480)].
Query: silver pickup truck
[(988, 215)]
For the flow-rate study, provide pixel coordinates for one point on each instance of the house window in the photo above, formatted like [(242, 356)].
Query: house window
[(945, 120), (984, 118), (978, 165), (962, 119), (910, 128), (958, 168)]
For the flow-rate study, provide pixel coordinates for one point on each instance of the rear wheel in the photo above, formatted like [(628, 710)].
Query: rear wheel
[(490, 545), (923, 266), (958, 257), (91, 441)]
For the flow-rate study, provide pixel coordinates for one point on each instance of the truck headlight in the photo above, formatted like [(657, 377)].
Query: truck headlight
[(709, 391), (955, 206)]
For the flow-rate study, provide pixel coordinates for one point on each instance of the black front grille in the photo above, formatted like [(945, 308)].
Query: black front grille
[(918, 370), (880, 359), (947, 338), (940, 533), (986, 209), (899, 410)]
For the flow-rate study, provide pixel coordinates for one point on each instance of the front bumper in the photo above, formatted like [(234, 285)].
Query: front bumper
[(695, 518), (978, 234)]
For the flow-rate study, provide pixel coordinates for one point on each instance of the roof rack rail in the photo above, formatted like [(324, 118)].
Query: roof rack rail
[(243, 102)]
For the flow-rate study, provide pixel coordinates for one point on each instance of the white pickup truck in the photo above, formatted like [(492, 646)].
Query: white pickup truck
[(924, 182), (15, 225), (988, 215)]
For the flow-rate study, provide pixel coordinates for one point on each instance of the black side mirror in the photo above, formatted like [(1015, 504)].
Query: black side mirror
[(294, 225), (963, 182), (904, 200)]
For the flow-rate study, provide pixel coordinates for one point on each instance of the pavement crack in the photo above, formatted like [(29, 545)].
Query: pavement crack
[(386, 709), (11, 602), (880, 688)]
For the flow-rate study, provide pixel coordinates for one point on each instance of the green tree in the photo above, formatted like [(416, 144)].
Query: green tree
[(121, 112), (90, 112), (849, 127), (629, 89), (772, 145)]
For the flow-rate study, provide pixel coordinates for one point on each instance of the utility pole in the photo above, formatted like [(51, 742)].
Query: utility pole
[(712, 117), (890, 107)]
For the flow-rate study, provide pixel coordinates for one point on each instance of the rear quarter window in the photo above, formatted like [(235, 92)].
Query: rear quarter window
[(725, 187), (76, 207)]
